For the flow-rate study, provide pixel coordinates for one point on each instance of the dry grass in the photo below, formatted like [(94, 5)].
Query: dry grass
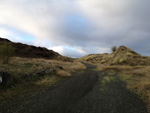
[(24, 66), (23, 73), (78, 66), (145, 71), (48, 81), (68, 68), (136, 77), (63, 73), (122, 56), (114, 68)]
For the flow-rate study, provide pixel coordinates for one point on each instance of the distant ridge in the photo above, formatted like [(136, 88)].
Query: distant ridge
[(29, 51), (4, 40), (122, 56)]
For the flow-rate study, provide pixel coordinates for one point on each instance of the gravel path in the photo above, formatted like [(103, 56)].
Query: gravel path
[(88, 92)]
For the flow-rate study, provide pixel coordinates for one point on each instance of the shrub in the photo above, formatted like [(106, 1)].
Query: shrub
[(6, 53), (114, 48)]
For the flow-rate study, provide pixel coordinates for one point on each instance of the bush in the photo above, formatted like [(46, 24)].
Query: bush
[(6, 53), (114, 48)]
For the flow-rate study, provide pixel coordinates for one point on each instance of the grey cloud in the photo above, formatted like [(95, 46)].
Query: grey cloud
[(89, 25)]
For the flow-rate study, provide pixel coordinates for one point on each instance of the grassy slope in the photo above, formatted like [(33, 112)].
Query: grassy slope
[(122, 56), (30, 51), (29, 69), (26, 77), (132, 68)]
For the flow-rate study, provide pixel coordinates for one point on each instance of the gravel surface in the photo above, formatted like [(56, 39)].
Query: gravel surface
[(88, 92)]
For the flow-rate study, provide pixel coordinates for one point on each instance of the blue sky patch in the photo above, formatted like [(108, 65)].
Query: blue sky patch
[(23, 36)]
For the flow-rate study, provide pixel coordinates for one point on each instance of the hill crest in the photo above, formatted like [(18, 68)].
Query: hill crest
[(122, 56), (30, 51)]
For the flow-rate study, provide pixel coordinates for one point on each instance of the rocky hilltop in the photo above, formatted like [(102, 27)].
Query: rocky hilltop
[(122, 56)]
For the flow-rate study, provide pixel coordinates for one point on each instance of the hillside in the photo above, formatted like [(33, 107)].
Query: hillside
[(29, 51), (122, 56)]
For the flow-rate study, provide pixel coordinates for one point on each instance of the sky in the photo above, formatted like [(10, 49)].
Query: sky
[(76, 28)]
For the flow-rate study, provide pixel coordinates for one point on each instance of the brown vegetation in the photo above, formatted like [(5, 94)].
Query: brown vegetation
[(137, 79), (30, 73), (63, 73), (122, 56), (29, 51)]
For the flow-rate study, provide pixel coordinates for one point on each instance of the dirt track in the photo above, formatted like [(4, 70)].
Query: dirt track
[(82, 93)]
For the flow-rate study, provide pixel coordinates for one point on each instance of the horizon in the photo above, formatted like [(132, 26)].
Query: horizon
[(77, 57), (75, 28)]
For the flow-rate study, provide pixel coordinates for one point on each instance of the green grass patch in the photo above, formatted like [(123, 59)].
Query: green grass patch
[(6, 53), (107, 79), (48, 81)]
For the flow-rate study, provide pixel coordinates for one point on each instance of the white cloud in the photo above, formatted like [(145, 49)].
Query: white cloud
[(58, 49), (8, 34), (80, 50), (87, 26), (104, 50)]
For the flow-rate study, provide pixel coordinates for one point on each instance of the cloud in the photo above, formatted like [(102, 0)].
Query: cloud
[(6, 33), (76, 28), (70, 52)]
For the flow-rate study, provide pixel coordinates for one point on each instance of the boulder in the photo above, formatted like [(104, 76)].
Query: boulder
[(4, 78), (1, 80)]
